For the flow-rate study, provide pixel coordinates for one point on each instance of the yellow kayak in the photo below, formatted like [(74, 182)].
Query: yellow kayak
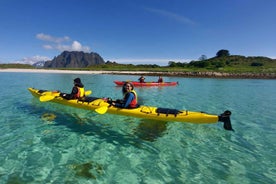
[(101, 106)]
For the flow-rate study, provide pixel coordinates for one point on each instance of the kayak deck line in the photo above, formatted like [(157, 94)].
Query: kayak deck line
[(144, 84), (102, 106)]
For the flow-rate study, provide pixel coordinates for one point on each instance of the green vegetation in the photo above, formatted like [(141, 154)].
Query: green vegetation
[(233, 64), (222, 62), (23, 66)]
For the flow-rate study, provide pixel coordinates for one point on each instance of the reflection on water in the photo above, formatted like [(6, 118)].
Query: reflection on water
[(150, 130), (75, 123)]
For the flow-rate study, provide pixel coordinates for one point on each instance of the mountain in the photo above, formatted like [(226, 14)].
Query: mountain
[(75, 59), (39, 64)]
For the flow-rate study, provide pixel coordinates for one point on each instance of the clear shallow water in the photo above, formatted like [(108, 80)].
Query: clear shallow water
[(78, 146)]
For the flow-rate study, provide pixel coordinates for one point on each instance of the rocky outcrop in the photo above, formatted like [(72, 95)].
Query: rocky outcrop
[(203, 74), (225, 75), (74, 59)]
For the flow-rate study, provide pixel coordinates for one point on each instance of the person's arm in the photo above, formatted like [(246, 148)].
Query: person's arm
[(74, 90), (72, 94), (129, 98)]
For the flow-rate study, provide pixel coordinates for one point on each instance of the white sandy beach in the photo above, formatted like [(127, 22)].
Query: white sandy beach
[(182, 74)]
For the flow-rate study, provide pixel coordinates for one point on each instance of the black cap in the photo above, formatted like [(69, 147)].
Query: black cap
[(77, 80)]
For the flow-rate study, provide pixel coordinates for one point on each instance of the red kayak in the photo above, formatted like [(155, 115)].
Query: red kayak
[(135, 83)]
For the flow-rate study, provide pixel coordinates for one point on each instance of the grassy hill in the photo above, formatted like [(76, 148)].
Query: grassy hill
[(237, 64), (232, 64)]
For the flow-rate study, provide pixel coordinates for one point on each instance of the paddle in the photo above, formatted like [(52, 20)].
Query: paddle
[(87, 93), (45, 98), (102, 109)]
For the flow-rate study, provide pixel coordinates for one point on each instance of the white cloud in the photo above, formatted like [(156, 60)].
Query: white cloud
[(76, 45), (49, 38), (61, 47), (56, 43), (32, 60), (48, 47)]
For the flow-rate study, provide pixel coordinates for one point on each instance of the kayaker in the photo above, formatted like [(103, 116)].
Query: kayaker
[(130, 97), (142, 79), (78, 91), (160, 79)]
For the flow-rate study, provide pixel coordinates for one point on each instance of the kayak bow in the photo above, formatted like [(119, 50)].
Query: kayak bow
[(101, 106)]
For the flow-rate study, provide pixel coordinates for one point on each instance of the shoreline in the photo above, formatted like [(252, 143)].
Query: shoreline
[(178, 74)]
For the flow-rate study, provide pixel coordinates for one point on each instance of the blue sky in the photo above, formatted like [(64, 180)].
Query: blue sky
[(136, 31)]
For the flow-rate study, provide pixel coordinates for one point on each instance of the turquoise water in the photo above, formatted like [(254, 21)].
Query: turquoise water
[(78, 146)]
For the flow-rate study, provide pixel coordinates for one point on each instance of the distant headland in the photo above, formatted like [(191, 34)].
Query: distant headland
[(223, 65)]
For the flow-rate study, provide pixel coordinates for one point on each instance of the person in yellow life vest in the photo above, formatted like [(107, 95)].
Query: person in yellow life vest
[(78, 91), (130, 99)]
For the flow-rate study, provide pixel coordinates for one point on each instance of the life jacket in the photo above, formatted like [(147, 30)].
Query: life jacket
[(81, 92), (133, 103)]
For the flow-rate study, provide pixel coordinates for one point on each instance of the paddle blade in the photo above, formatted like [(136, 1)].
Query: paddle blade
[(88, 93), (46, 98), (101, 110)]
